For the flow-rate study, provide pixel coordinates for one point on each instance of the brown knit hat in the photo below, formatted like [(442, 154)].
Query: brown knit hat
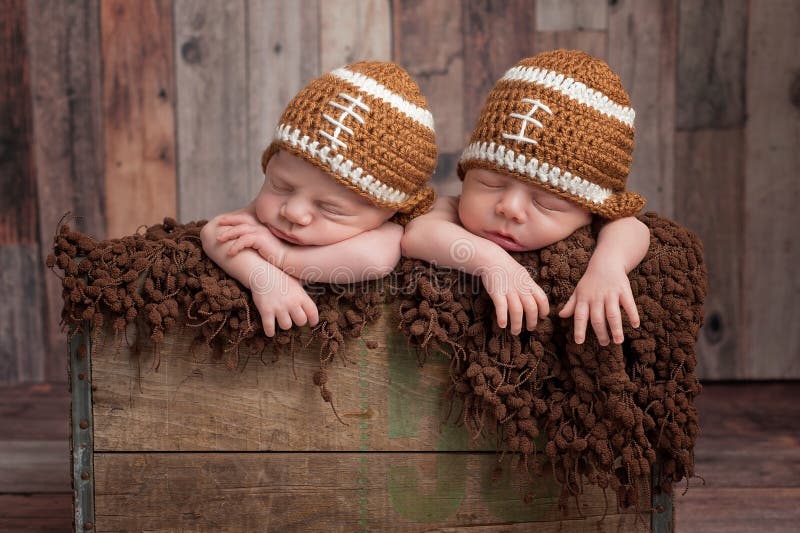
[(561, 120), (368, 126)]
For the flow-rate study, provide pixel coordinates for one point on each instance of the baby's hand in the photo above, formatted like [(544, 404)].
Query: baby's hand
[(513, 292), (246, 231), (598, 296), (281, 297)]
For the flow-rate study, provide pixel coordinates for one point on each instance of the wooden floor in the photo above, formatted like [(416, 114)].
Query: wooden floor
[(748, 453)]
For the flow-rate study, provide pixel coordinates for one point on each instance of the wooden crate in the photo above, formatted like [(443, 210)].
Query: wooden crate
[(195, 446)]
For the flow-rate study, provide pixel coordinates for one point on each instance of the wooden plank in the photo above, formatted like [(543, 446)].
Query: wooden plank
[(35, 512), (139, 125), (739, 510), (211, 87), (771, 286), (34, 466), (554, 15), (354, 30), (273, 27), (66, 97), (711, 64), (428, 42), (642, 45), (591, 42), (709, 180), (18, 210), (22, 333), (35, 412), (387, 400), (331, 492)]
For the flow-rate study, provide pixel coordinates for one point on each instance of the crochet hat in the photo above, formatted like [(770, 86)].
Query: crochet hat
[(560, 120), (368, 126)]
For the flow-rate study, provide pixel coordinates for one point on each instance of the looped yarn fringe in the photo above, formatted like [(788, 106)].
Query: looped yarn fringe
[(604, 414)]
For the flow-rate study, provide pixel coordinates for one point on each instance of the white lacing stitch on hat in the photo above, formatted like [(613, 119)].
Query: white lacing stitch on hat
[(526, 118), (340, 165), (339, 123), (554, 176), (377, 90), (575, 90)]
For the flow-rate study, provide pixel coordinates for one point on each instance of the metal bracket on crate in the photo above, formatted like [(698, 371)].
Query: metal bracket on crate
[(662, 520), (81, 426)]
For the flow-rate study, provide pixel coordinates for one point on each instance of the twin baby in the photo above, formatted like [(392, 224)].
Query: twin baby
[(347, 191)]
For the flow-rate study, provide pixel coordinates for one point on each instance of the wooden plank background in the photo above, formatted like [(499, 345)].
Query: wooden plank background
[(124, 112)]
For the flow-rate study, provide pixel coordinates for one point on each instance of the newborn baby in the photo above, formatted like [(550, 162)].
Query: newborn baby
[(349, 165), (551, 150)]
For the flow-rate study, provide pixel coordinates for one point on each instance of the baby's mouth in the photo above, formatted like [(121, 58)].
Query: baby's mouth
[(284, 236), (503, 239)]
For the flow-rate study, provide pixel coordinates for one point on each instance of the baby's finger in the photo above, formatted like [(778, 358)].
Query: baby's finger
[(541, 301), (284, 320), (500, 308), (515, 311), (299, 316), (630, 308), (614, 317), (231, 219), (311, 311), (245, 241), (569, 307), (531, 311), (598, 318), (268, 323), (580, 320)]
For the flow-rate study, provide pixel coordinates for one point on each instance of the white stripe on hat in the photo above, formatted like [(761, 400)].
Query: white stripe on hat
[(575, 90), (381, 92), (554, 176), (340, 165)]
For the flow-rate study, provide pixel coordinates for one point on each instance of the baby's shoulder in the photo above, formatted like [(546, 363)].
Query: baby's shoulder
[(445, 207)]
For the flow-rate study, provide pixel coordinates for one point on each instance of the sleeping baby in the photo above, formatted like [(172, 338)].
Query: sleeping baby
[(551, 150), (349, 165)]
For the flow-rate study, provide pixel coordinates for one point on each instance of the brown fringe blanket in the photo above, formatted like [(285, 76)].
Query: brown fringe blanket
[(603, 413)]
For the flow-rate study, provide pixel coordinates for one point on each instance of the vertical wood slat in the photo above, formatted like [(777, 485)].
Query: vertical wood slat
[(771, 286), (711, 64), (354, 30), (211, 87), (642, 44), (428, 42), (282, 56), (18, 193), (580, 15), (139, 127), (709, 178), (64, 46)]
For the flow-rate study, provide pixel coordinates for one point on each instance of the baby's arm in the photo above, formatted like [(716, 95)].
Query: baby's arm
[(372, 254), (276, 295), (439, 238), (621, 245)]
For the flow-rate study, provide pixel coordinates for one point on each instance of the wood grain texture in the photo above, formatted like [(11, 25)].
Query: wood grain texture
[(387, 400), (642, 45), (139, 124), (711, 64), (709, 180), (772, 193), (279, 64), (428, 42), (18, 209), (739, 510), (591, 42), (354, 30), (554, 15), (211, 88), (331, 492), (35, 512), (22, 332), (64, 45)]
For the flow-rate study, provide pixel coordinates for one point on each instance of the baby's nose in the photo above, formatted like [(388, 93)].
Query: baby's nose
[(296, 213), (510, 206)]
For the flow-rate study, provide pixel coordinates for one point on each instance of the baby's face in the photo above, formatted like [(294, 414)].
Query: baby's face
[(302, 205), (516, 215)]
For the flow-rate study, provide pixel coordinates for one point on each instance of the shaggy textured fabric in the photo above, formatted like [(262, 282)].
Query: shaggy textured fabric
[(603, 414)]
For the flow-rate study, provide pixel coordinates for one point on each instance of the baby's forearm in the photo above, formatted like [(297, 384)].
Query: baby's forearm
[(369, 255), (623, 242), (447, 244)]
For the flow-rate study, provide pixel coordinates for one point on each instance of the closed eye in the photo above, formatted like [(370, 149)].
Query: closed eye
[(491, 185), (332, 209), (281, 186)]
